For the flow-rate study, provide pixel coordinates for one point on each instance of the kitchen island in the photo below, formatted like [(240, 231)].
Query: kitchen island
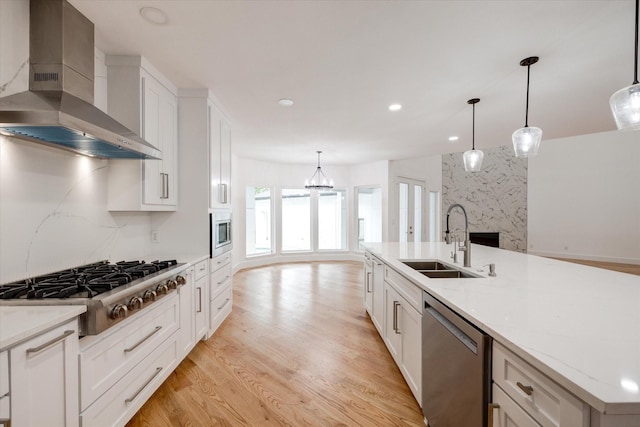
[(578, 325)]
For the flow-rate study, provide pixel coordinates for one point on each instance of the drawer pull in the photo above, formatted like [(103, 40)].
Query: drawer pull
[(222, 281), (4, 395), (223, 304), (49, 343), (492, 407), (127, 350), (132, 398), (525, 388)]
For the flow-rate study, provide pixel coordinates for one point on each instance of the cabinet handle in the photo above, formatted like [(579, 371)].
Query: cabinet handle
[(199, 310), (127, 350), (492, 407), (132, 398), (223, 304), (369, 281), (4, 395), (223, 280), (396, 304), (526, 388), (222, 193), (165, 185), (49, 343)]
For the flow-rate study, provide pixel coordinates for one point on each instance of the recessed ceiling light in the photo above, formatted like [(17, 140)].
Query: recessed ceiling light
[(154, 15), (285, 102), (453, 138), (395, 107)]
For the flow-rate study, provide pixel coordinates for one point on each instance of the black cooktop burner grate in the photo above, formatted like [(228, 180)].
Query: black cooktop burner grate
[(82, 282)]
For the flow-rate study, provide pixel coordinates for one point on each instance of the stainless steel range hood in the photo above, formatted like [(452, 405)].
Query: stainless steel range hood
[(58, 109)]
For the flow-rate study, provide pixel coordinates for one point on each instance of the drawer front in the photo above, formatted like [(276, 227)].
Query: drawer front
[(103, 364), (411, 292), (509, 414), (127, 396), (201, 268), (219, 262), (548, 403), (219, 280), (221, 307), (4, 385)]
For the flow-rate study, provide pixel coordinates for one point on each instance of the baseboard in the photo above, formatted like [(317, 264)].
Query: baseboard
[(280, 259)]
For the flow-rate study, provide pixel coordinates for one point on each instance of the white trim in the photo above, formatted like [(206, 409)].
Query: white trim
[(286, 258)]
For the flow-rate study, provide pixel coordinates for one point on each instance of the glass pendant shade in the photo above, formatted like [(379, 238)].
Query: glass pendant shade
[(472, 160), (526, 141), (625, 106)]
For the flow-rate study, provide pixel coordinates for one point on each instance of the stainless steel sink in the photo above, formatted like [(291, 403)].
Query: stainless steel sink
[(438, 270), (426, 265)]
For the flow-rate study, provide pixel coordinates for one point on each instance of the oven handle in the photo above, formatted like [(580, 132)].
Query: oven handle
[(127, 350), (155, 374), (49, 343)]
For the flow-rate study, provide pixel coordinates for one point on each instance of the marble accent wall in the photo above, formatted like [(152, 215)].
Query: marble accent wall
[(495, 198), (53, 213)]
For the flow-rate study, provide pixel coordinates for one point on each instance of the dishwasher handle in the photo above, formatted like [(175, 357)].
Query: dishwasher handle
[(448, 325)]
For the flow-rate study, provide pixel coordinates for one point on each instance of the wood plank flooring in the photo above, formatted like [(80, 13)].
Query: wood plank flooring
[(298, 349)]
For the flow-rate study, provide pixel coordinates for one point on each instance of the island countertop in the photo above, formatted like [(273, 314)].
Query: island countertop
[(18, 323), (579, 325)]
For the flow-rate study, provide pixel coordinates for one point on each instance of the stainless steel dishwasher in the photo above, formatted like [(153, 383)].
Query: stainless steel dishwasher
[(456, 368)]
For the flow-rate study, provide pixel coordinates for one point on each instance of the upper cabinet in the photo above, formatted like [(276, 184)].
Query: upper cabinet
[(219, 159), (146, 102)]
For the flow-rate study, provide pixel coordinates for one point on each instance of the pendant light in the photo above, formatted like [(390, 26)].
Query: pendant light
[(625, 103), (473, 158), (318, 181), (526, 140)]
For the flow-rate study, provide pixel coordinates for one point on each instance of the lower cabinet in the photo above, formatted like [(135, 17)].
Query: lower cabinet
[(44, 379), (220, 291), (403, 337), (4, 387), (506, 413)]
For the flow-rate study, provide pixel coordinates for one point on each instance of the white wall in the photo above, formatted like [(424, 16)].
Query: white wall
[(584, 200)]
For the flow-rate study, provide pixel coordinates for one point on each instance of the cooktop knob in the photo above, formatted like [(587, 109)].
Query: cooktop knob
[(172, 284), (162, 289), (135, 303), (181, 280), (119, 311), (149, 295)]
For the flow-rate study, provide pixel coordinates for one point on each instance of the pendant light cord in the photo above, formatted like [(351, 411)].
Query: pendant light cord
[(635, 63), (526, 114), (473, 129)]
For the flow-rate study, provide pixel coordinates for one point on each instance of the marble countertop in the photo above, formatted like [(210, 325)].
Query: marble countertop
[(18, 323), (579, 325)]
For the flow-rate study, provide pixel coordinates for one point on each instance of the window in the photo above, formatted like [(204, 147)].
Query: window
[(258, 228), (296, 220), (332, 220)]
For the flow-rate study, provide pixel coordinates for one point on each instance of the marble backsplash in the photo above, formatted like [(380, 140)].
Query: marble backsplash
[(53, 212), (495, 198)]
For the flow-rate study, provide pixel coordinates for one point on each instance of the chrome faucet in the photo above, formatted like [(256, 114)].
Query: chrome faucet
[(467, 243)]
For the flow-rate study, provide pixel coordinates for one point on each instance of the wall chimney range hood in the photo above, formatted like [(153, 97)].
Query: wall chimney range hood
[(58, 109)]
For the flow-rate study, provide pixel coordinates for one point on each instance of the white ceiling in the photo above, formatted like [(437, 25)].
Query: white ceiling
[(344, 62)]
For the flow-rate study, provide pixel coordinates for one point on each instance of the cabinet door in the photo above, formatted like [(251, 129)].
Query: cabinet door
[(187, 324), (169, 141), (392, 328), (215, 142), (151, 120), (44, 379), (378, 293), (201, 307), (411, 333), (224, 188)]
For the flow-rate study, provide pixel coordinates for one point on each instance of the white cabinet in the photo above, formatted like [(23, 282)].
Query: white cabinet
[(144, 101), (201, 299), (368, 285), (219, 159), (506, 413), (4, 386), (220, 291), (44, 379), (403, 337), (374, 290), (539, 397), (186, 294)]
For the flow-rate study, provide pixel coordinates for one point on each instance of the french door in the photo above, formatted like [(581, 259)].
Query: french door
[(411, 202)]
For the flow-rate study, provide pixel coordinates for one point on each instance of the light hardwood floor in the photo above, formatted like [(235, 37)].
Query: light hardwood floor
[(298, 349)]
